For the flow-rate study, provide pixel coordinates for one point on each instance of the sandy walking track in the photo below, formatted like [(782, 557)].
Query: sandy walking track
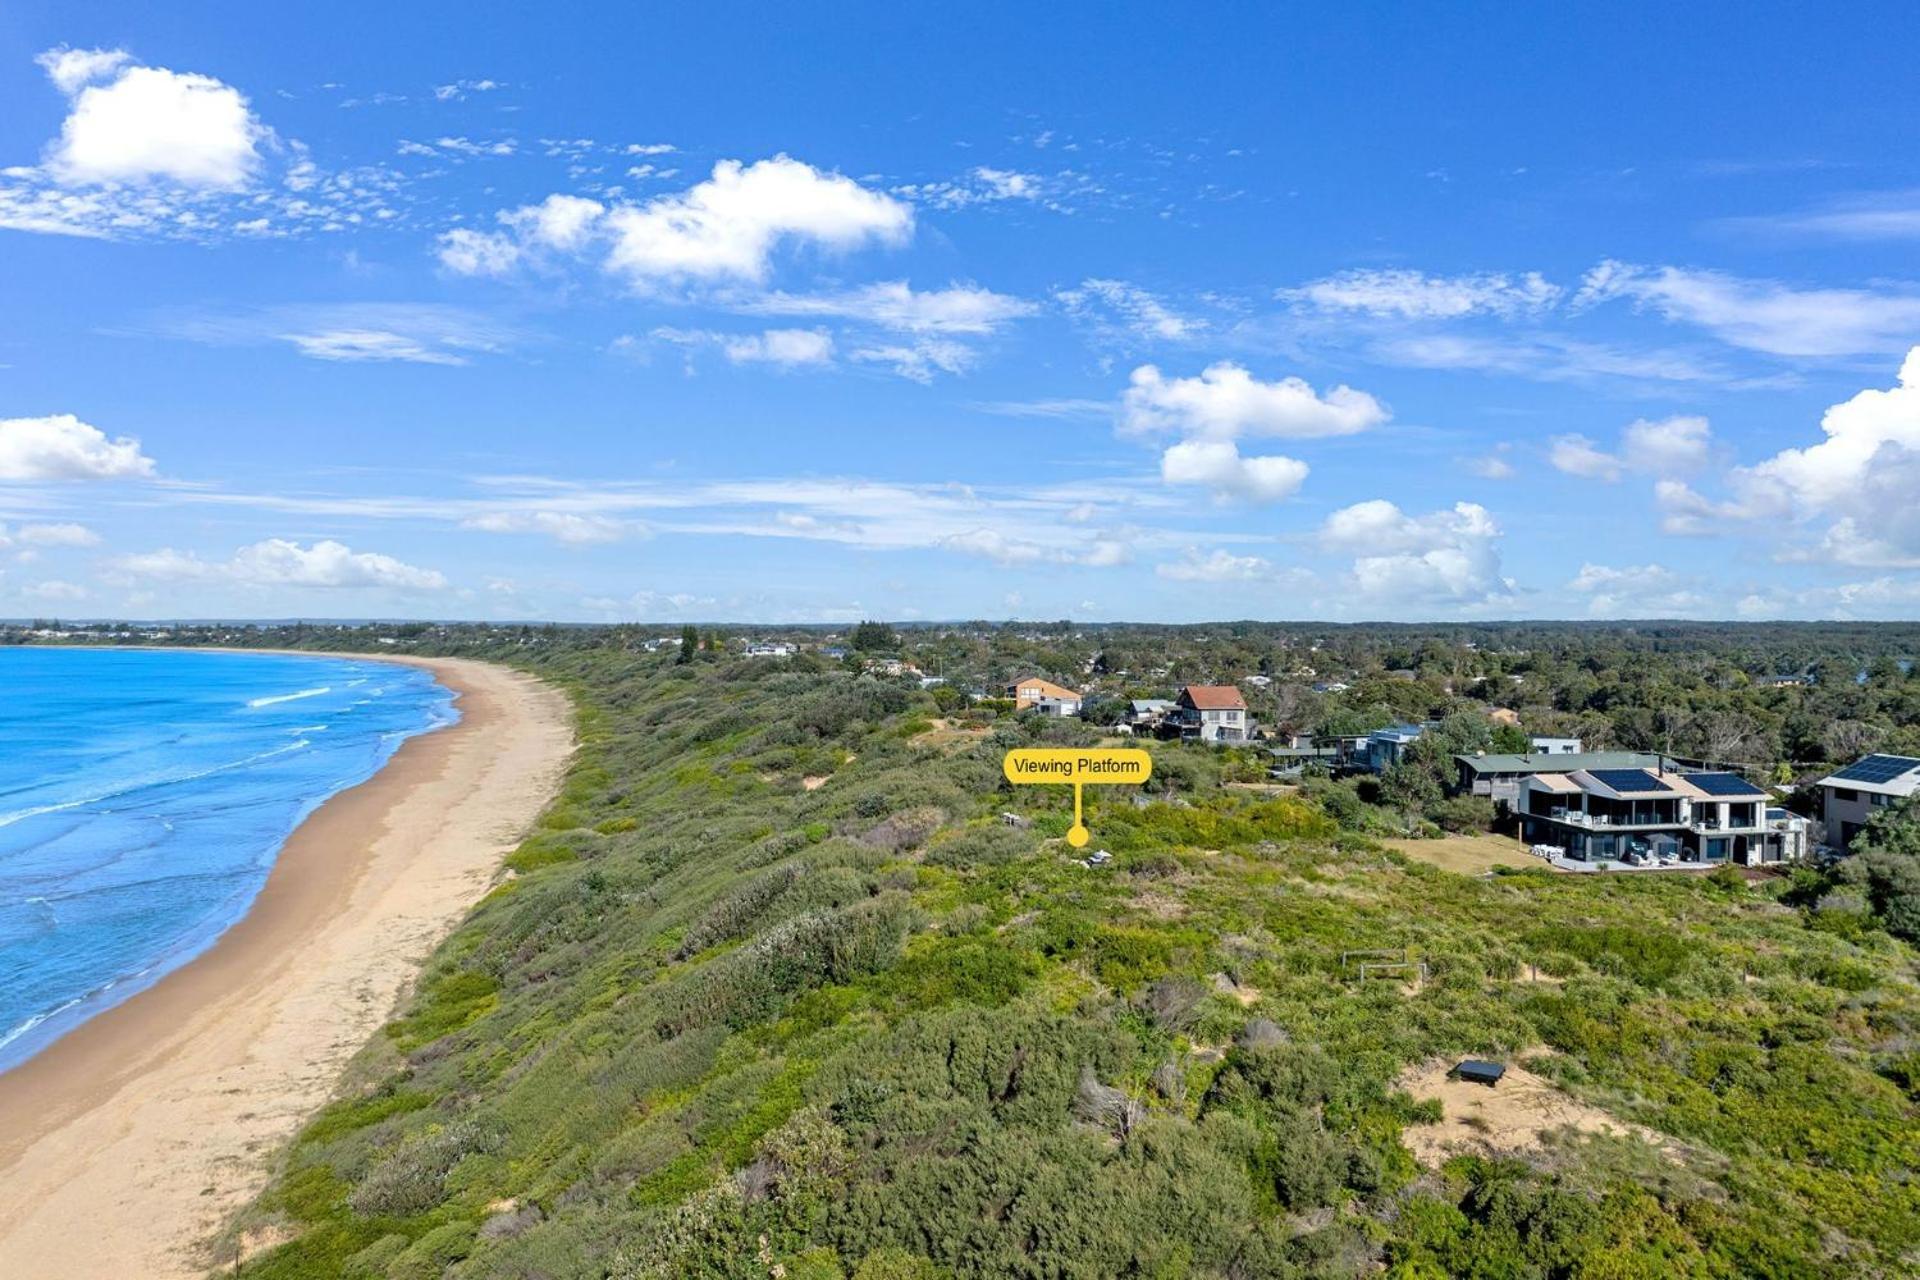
[(129, 1142)]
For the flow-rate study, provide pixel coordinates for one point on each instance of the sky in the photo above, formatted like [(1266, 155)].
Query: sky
[(817, 313)]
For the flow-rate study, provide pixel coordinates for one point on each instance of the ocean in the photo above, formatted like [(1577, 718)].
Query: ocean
[(144, 795)]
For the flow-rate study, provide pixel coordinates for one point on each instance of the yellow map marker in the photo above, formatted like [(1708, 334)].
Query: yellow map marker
[(1078, 766)]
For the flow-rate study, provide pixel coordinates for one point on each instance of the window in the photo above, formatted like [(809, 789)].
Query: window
[(1845, 793)]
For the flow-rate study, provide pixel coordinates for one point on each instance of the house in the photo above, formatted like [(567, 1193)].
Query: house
[(1556, 746), (1043, 696), (1500, 775), (1331, 686), (1258, 682), (771, 649), (1213, 713), (1385, 747), (1648, 815), (1849, 797), (891, 667), (1145, 715)]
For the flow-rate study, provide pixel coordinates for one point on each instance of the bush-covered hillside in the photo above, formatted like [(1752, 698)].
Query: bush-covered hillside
[(775, 992)]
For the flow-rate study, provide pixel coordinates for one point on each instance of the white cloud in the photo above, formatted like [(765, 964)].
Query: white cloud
[(728, 226), (981, 185), (1097, 553), (1763, 315), (894, 304), (1117, 308), (278, 562), (920, 361), (1216, 566), (562, 526), (1492, 465), (369, 345), (1226, 402), (1445, 555), (1664, 447), (1646, 591), (1217, 466), (55, 592), (1859, 432), (787, 348), (721, 230), (149, 122), (69, 69), (54, 535), (467, 252), (1577, 455), (782, 348), (61, 447), (1411, 295)]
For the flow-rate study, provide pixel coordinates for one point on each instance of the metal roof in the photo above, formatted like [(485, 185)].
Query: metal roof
[(1541, 762)]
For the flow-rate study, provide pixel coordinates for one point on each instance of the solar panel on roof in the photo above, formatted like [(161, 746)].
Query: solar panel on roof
[(1629, 780), (1724, 784), (1877, 769)]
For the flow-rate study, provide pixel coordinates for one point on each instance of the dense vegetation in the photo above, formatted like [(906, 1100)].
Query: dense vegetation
[(774, 991)]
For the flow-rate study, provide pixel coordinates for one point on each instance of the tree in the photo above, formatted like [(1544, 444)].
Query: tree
[(875, 637), (689, 643), (1886, 865)]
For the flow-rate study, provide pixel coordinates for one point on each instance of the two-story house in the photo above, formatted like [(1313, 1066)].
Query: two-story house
[(1645, 815), (1213, 713), (1854, 794), (1033, 693)]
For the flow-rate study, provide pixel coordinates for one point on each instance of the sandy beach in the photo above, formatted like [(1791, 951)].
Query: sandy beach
[(126, 1144)]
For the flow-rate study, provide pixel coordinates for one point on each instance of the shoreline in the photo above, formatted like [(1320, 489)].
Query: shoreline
[(126, 1144)]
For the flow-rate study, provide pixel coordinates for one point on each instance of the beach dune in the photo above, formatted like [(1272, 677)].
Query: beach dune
[(126, 1145)]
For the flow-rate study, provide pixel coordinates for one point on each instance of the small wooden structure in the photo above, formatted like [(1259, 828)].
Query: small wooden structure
[(1474, 1071)]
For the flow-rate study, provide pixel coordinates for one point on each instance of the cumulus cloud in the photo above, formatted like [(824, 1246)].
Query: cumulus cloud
[(1667, 446), (278, 562), (1411, 295), (1226, 402), (728, 226), (1218, 565), (1664, 447), (723, 229), (1763, 315), (50, 535), (1450, 555), (1577, 455), (61, 447), (1217, 466), (130, 123), (1648, 590)]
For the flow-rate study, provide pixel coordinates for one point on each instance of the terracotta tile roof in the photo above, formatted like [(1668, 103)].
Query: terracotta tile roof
[(1213, 697)]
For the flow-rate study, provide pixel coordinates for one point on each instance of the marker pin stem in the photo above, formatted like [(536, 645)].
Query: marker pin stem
[(1077, 833)]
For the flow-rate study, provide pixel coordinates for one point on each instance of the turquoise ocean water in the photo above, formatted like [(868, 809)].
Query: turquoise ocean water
[(144, 795)]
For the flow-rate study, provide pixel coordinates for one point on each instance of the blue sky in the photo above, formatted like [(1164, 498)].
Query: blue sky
[(1107, 313)]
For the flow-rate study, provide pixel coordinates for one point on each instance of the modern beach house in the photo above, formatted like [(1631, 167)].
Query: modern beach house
[(1501, 775), (1851, 796), (1651, 816)]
